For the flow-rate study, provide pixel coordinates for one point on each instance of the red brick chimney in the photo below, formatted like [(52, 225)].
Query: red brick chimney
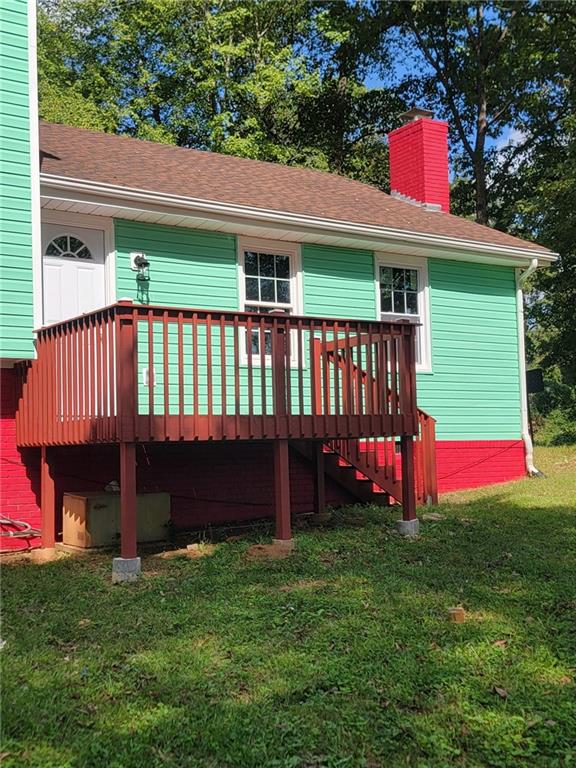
[(419, 159)]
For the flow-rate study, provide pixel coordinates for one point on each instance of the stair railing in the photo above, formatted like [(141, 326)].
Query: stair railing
[(377, 457)]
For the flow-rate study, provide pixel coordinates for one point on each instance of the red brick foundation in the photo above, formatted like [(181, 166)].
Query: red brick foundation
[(473, 463), (19, 470)]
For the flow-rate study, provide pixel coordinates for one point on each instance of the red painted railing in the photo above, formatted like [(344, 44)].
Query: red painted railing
[(136, 373), (425, 460), (377, 457)]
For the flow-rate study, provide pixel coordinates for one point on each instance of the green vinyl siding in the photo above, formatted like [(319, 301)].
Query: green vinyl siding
[(188, 267), (474, 390), (338, 282), (16, 291)]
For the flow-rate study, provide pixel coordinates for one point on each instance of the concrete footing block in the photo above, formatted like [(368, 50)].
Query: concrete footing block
[(125, 569), (408, 528), (289, 545)]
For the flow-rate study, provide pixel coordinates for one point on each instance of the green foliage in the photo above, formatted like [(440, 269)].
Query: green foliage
[(553, 411), (556, 428), (66, 105), (340, 656), (266, 80), (491, 69)]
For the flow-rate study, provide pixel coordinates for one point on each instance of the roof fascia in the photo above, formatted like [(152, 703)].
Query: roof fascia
[(83, 191)]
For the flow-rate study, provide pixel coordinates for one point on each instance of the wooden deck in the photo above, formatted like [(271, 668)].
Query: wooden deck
[(130, 373)]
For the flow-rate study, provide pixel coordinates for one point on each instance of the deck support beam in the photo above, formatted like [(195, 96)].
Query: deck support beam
[(127, 566), (319, 480), (409, 524), (47, 499), (282, 492)]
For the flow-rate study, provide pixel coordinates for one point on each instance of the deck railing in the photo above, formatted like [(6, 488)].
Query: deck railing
[(138, 373)]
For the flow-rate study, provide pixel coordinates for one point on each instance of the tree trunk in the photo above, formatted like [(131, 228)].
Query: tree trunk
[(481, 190), (479, 159)]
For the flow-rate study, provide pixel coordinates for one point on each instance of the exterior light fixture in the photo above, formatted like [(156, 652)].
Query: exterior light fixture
[(141, 265)]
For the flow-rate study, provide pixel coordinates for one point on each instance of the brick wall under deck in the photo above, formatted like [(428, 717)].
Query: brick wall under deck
[(209, 483), (19, 470)]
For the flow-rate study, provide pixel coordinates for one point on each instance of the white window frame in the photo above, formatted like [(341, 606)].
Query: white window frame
[(277, 248), (424, 330)]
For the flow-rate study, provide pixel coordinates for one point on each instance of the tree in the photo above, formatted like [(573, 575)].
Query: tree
[(485, 66), (264, 79)]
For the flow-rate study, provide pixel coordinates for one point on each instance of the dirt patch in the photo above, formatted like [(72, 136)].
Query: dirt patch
[(354, 521), (275, 551), (36, 556), (433, 517), (192, 551)]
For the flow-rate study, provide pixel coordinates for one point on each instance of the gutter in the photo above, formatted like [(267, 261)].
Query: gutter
[(521, 276), (208, 208)]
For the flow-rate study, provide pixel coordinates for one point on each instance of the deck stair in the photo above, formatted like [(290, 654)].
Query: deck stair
[(347, 475), (370, 468)]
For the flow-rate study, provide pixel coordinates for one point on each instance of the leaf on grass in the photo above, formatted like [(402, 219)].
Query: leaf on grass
[(500, 643), (84, 622), (502, 692)]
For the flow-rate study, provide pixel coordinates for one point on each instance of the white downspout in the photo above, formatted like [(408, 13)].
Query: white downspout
[(528, 448)]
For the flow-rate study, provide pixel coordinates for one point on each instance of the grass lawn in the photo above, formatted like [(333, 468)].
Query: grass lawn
[(339, 656)]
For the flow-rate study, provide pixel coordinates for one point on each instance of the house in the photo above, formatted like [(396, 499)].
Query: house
[(250, 338)]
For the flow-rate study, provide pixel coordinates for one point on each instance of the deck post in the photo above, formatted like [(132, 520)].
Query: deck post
[(47, 500), (282, 494), (319, 480), (409, 525), (127, 566)]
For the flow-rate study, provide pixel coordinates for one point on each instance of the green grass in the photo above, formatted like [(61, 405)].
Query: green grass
[(339, 656)]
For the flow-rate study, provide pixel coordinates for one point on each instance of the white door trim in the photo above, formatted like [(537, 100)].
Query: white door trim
[(90, 222)]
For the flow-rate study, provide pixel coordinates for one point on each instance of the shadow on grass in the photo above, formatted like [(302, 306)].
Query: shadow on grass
[(339, 656)]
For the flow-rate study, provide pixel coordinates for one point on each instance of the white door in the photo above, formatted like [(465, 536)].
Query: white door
[(73, 278)]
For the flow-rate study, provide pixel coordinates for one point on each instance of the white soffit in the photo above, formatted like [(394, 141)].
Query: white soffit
[(64, 197)]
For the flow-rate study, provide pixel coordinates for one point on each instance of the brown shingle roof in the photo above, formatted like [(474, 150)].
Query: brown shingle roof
[(165, 169)]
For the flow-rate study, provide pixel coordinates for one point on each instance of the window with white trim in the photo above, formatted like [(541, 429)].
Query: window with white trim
[(402, 288), (269, 281), (68, 247)]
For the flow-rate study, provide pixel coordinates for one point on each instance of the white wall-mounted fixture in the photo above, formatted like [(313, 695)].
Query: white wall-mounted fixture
[(148, 375)]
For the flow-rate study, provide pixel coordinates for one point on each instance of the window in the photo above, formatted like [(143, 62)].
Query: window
[(399, 290), (402, 289), (269, 281), (68, 247)]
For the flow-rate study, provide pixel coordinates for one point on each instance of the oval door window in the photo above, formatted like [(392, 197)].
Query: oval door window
[(68, 247)]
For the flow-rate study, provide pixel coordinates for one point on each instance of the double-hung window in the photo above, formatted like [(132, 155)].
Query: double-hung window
[(402, 288), (269, 275)]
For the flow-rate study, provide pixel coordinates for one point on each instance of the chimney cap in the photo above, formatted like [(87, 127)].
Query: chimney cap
[(416, 113)]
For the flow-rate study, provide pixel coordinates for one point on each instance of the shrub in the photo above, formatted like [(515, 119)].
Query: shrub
[(557, 428)]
